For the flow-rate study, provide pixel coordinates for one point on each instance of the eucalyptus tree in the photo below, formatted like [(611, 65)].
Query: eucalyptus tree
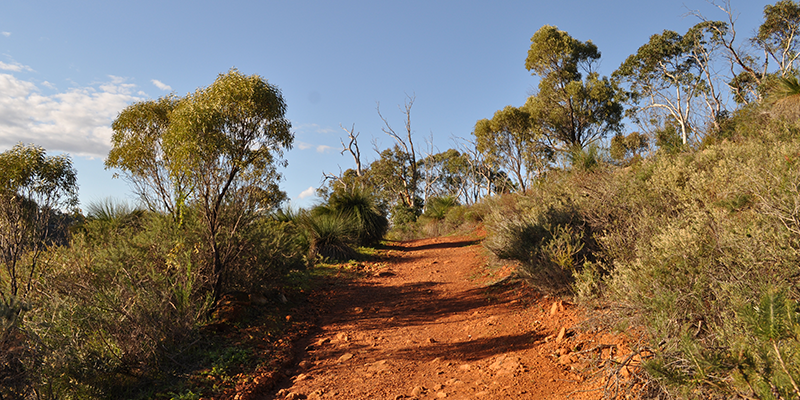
[(401, 160), (218, 148), (34, 189), (775, 42), (445, 174), (510, 141), (573, 106), (663, 78), (137, 150)]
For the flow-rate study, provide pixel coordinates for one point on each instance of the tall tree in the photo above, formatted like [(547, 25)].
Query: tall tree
[(665, 79), (510, 141), (445, 174), (223, 141), (779, 35), (751, 77), (137, 150), (34, 189), (570, 109), (399, 164)]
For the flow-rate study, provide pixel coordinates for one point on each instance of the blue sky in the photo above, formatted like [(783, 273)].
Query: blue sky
[(68, 68)]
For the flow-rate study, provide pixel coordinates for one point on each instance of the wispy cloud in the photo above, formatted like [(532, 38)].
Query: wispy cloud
[(312, 128), (77, 121), (6, 34), (307, 193), (14, 67), (322, 148), (161, 85)]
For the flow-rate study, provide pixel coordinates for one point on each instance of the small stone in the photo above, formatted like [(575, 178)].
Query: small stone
[(342, 337), (323, 341), (378, 366), (554, 308), (438, 387), (288, 318), (441, 395), (431, 340), (300, 377), (345, 357), (561, 334), (465, 367), (418, 390)]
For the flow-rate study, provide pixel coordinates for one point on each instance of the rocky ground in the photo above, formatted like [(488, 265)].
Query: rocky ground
[(432, 321)]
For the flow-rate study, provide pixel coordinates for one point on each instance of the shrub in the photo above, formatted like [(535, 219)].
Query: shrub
[(361, 207), (331, 235), (543, 231), (437, 207)]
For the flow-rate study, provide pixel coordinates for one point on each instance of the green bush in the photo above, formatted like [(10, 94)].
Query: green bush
[(119, 309), (361, 208), (331, 236), (437, 207), (543, 231)]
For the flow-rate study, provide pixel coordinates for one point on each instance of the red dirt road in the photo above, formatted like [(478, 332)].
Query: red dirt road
[(433, 322)]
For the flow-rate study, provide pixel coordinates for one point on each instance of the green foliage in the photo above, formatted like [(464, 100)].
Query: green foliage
[(438, 207), (510, 141), (585, 159), (570, 109), (360, 207), (777, 35), (671, 77), (216, 150), (331, 236), (137, 149), (402, 214), (543, 231), (626, 149), (34, 190)]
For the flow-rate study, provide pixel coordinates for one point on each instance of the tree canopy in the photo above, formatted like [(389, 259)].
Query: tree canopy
[(216, 148), (510, 141), (571, 110), (34, 188)]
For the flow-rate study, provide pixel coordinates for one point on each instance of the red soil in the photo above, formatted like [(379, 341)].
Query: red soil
[(434, 321)]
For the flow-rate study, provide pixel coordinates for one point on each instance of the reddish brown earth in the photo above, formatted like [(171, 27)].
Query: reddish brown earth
[(432, 321)]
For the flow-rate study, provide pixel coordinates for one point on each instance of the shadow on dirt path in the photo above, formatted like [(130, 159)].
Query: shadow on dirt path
[(427, 324)]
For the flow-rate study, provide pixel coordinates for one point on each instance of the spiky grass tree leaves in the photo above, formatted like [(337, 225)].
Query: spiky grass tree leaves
[(769, 363), (331, 236), (360, 207)]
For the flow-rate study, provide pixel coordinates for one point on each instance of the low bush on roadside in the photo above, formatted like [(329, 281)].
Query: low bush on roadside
[(116, 314), (701, 247)]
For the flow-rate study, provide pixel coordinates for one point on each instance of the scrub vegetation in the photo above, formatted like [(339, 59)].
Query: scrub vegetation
[(687, 229)]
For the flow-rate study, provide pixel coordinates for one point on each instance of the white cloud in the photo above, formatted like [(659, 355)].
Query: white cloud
[(312, 128), (77, 121), (322, 148), (6, 34), (15, 67), (307, 193), (161, 85)]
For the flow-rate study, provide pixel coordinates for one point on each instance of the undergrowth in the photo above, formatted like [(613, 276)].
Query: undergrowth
[(701, 247)]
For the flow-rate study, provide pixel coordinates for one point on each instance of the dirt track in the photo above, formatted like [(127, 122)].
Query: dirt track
[(430, 324)]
